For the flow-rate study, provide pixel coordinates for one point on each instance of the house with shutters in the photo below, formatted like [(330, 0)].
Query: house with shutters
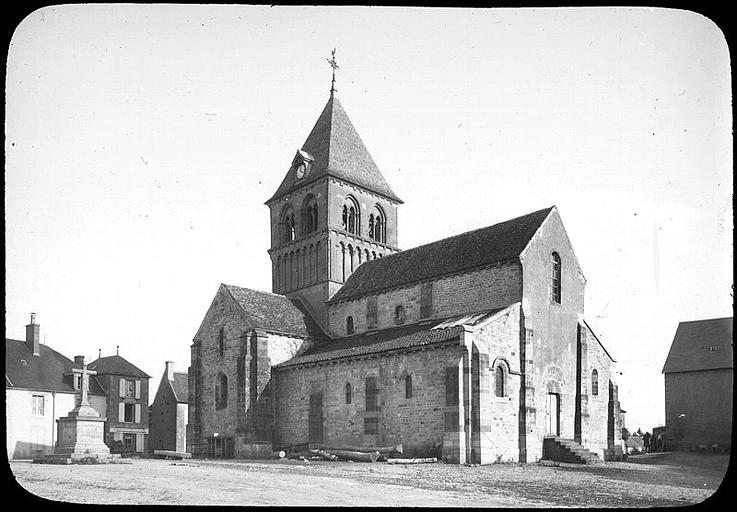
[(40, 387), (699, 374), (473, 348), (126, 390), (168, 423)]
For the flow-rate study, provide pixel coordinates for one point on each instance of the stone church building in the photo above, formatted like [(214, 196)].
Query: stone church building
[(473, 348)]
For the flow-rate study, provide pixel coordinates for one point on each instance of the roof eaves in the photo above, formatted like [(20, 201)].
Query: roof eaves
[(599, 341)]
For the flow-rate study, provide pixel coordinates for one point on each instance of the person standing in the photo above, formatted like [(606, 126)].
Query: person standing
[(646, 442)]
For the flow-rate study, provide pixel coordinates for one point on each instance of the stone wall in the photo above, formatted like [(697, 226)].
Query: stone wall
[(596, 438), (417, 422), (698, 409), (551, 331)]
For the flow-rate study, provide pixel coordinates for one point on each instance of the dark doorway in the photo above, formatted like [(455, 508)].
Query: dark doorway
[(314, 428), (220, 447)]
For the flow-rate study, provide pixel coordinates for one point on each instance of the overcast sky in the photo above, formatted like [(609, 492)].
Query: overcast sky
[(142, 141)]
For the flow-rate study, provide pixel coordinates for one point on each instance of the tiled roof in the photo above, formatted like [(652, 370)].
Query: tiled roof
[(276, 313), (338, 151), (375, 342), (44, 372), (701, 345), (180, 386), (466, 251), (116, 365)]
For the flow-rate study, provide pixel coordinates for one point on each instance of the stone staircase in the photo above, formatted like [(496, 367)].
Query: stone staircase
[(567, 450)]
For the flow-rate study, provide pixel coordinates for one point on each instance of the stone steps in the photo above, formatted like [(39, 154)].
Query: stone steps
[(567, 450)]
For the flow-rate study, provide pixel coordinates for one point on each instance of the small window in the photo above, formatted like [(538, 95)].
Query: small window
[(348, 393), (129, 415), (408, 386), (500, 381), (594, 383), (221, 342), (39, 405), (399, 315), (77, 381), (130, 388), (349, 329), (221, 391), (555, 277)]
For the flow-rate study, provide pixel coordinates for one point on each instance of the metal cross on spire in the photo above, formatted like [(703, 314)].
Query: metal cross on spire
[(335, 66)]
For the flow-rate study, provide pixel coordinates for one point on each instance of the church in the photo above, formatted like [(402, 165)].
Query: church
[(474, 348)]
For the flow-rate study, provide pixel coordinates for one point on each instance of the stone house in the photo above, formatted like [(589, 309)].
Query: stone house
[(126, 389), (698, 376), (474, 348), (168, 412)]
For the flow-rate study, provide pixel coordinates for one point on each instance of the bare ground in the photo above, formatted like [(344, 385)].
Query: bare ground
[(662, 479)]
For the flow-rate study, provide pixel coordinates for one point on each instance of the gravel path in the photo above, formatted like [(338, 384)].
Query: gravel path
[(659, 480)]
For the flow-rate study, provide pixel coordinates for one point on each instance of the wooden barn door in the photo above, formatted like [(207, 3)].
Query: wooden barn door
[(314, 428)]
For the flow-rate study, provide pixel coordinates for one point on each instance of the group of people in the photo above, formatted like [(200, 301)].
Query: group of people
[(653, 443)]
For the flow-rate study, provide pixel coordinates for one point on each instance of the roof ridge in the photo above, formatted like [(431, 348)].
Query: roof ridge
[(706, 320), (263, 292)]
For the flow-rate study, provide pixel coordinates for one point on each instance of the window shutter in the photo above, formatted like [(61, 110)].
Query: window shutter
[(139, 442), (138, 413), (121, 388), (138, 389), (121, 412)]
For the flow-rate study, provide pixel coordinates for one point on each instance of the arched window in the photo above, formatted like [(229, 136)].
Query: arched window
[(309, 215), (500, 381), (221, 342), (348, 393), (221, 391), (349, 325), (350, 255), (408, 386), (555, 277), (399, 314), (351, 219), (594, 383), (286, 222), (377, 224)]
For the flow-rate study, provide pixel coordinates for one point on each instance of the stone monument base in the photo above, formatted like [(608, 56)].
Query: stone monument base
[(80, 439), (78, 458)]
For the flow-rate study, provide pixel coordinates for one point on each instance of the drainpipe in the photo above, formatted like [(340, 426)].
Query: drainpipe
[(53, 419)]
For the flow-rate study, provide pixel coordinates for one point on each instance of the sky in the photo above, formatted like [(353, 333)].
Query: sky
[(142, 141)]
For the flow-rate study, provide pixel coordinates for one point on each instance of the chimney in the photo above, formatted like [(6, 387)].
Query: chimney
[(79, 360), (99, 353), (117, 350), (170, 370), (33, 336)]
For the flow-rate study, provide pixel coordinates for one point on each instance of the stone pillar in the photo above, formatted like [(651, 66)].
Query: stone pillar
[(530, 441), (260, 399)]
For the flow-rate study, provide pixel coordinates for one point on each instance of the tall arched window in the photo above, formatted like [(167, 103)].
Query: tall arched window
[(287, 225), (594, 382), (221, 391), (309, 215), (555, 277), (377, 224), (348, 393), (500, 381), (351, 219), (349, 325), (408, 386), (342, 252)]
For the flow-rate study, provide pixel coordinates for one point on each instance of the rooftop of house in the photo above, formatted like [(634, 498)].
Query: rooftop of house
[(49, 371), (701, 345), (180, 386), (485, 246), (116, 365)]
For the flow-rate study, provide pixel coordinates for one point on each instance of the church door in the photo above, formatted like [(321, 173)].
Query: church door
[(315, 419), (552, 415)]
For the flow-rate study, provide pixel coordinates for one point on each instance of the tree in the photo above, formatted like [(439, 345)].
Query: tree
[(625, 433)]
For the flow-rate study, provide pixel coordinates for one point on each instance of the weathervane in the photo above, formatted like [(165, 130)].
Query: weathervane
[(335, 66)]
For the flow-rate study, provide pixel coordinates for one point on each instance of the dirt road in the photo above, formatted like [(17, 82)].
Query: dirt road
[(663, 480)]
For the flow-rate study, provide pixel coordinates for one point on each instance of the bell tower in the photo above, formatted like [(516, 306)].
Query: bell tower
[(332, 212)]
